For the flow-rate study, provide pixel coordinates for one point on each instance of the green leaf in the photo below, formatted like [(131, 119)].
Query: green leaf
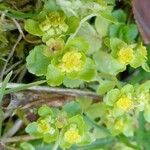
[(3, 87), (120, 15), (26, 146), (78, 120), (95, 110), (78, 43), (48, 138), (144, 87), (105, 86), (72, 108), (146, 67), (128, 128), (128, 88), (109, 17), (101, 25), (54, 76), (140, 57), (89, 71), (32, 27), (32, 128), (44, 111), (107, 64), (37, 63), (88, 32), (128, 33), (111, 97), (114, 30), (85, 102), (50, 5), (72, 83), (2, 93), (73, 23)]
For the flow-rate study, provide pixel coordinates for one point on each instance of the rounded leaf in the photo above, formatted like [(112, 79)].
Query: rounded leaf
[(44, 111), (89, 71), (72, 83), (107, 64), (32, 27), (54, 76), (37, 63), (111, 97)]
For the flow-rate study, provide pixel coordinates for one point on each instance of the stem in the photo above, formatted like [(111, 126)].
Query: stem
[(56, 145)]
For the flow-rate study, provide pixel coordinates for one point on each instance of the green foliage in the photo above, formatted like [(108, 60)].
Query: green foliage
[(89, 45)]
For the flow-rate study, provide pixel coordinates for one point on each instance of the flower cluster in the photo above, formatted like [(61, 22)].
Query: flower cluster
[(54, 24), (50, 127), (134, 55), (71, 64), (47, 25), (45, 126), (125, 55), (123, 105), (62, 63)]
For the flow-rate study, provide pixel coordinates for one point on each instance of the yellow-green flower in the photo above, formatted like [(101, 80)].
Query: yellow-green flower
[(55, 19), (44, 126), (72, 136), (45, 25), (53, 46), (119, 125), (125, 103), (126, 55), (71, 61), (54, 24)]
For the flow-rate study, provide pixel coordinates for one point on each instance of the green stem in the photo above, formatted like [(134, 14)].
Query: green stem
[(57, 143)]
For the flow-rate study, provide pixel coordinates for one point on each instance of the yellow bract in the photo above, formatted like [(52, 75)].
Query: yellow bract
[(125, 55), (119, 125), (55, 19), (54, 24), (72, 136), (125, 103), (43, 126), (71, 61)]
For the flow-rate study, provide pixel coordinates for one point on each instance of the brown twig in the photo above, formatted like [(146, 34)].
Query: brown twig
[(66, 91), (18, 139)]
